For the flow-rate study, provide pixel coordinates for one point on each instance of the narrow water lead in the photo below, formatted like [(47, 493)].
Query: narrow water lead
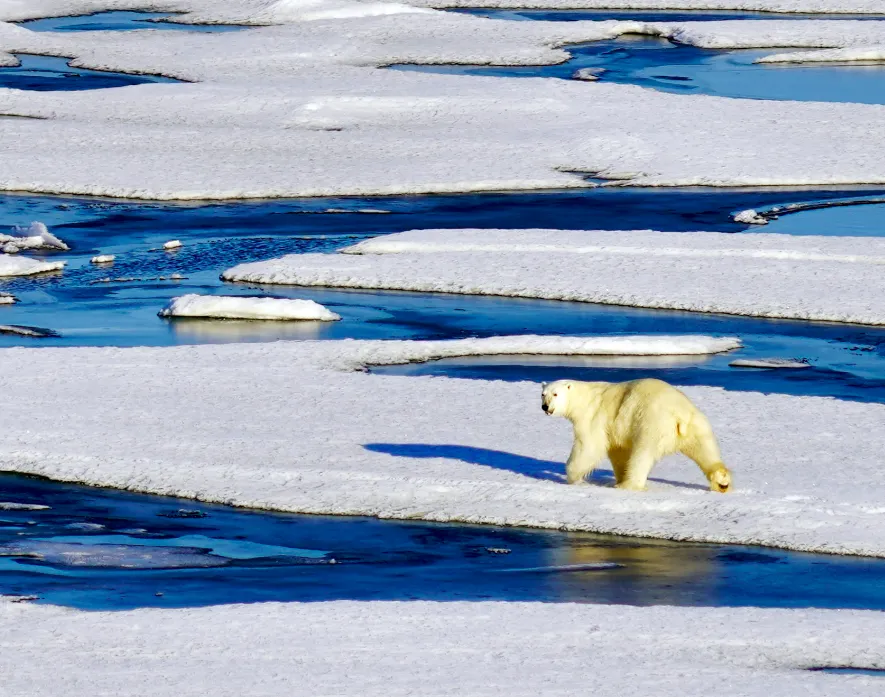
[(104, 549)]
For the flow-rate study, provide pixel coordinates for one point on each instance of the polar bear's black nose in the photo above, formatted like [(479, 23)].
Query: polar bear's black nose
[(544, 407)]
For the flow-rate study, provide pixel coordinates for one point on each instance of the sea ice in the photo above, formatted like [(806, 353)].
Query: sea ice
[(23, 266), (34, 236), (229, 307)]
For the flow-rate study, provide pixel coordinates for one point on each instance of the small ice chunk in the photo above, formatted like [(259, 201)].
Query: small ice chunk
[(88, 527), (588, 74), (33, 236), (126, 556), (35, 332), (24, 266), (750, 217), (7, 299), (15, 506), (770, 363), (228, 307), (103, 259), (172, 244)]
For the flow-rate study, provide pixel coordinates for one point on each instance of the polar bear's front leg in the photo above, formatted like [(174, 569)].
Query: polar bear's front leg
[(586, 454)]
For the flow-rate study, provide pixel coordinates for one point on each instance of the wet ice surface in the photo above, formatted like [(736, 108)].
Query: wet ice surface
[(121, 21), (105, 549), (662, 65), (50, 73), (648, 15)]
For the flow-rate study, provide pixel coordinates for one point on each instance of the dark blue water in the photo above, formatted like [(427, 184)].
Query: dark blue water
[(649, 15), (50, 74), (122, 21), (105, 549), (681, 69)]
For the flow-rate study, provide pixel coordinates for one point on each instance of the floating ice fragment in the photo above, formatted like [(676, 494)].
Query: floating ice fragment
[(103, 259), (172, 244), (24, 266), (770, 363), (750, 217), (35, 332), (7, 299), (34, 236), (588, 74), (601, 566), (228, 307), (15, 506)]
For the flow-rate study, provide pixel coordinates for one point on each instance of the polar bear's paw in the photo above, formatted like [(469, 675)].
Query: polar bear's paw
[(720, 480)]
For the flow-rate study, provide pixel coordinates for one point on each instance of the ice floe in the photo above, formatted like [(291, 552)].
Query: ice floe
[(265, 106), (19, 330), (866, 54), (229, 307), (766, 275), (7, 299), (24, 266), (103, 259), (511, 649), (314, 434), (750, 217), (34, 236), (172, 244)]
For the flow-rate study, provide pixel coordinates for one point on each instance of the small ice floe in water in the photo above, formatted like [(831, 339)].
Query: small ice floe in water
[(497, 550), (19, 598), (24, 266), (770, 363), (34, 236), (34, 332), (172, 244), (601, 566), (111, 555), (588, 74), (15, 506), (103, 259), (229, 307), (750, 217), (87, 527), (184, 513), (7, 299)]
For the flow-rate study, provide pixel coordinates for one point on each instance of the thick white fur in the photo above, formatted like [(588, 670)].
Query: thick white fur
[(635, 424)]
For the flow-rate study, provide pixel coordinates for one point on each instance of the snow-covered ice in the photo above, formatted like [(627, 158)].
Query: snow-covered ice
[(835, 279), (33, 236), (297, 427), (770, 363), (172, 244), (18, 506), (246, 115), (7, 299), (60, 552), (18, 330), (23, 266), (103, 259), (393, 649), (865, 54), (230, 307)]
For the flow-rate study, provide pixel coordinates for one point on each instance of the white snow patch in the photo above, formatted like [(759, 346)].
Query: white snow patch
[(7, 299), (23, 266), (770, 363), (750, 217), (425, 447), (172, 244), (589, 74), (103, 259), (767, 275), (33, 236), (228, 307)]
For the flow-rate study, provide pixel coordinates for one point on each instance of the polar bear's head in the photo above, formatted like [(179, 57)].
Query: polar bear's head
[(555, 396)]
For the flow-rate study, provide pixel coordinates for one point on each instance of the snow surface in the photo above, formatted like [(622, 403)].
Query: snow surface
[(34, 236), (227, 307), (294, 426), (23, 266), (252, 110), (835, 279), (750, 217), (799, 6), (103, 259), (866, 54), (393, 649)]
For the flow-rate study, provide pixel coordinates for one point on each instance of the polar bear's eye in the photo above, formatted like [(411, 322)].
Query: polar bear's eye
[(554, 394)]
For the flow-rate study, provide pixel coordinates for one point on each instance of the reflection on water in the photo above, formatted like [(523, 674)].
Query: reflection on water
[(210, 331)]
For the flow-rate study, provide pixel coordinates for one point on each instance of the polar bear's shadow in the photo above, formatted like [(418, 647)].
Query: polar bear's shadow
[(546, 470)]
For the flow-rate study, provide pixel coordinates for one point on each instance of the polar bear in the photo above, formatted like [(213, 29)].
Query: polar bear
[(636, 424)]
